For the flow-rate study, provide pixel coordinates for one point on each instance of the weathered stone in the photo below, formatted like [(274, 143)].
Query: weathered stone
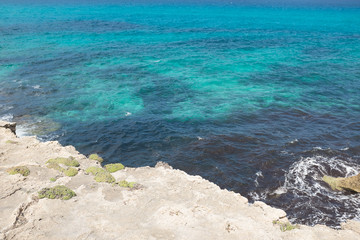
[(8, 125), (163, 164), (349, 183), (169, 204)]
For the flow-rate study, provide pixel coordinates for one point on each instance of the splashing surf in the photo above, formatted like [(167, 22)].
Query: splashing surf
[(312, 199)]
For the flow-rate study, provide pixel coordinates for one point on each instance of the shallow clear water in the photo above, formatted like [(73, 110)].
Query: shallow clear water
[(260, 100)]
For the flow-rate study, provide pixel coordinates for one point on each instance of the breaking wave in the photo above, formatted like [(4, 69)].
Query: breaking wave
[(311, 201)]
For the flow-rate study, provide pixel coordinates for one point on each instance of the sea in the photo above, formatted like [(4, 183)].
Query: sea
[(261, 99)]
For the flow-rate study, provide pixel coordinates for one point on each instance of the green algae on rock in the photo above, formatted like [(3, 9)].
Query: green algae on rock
[(349, 183), (127, 184), (11, 142), (70, 162), (101, 175), (96, 157), (55, 166), (94, 170), (285, 226), (114, 167), (57, 192), (104, 177), (23, 170), (53, 179), (70, 172)]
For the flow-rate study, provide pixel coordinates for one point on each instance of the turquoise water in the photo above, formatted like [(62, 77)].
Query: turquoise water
[(237, 94)]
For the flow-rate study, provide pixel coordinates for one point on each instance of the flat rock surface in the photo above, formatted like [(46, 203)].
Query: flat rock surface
[(169, 204)]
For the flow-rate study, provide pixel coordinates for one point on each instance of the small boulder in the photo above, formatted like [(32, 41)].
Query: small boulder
[(349, 183), (163, 164)]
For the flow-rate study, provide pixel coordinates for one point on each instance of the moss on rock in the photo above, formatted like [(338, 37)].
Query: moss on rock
[(71, 172), (285, 226), (11, 142), (101, 175), (96, 157), (104, 177), (53, 179), (94, 170), (57, 192), (55, 166), (70, 162), (114, 167), (23, 170), (127, 184)]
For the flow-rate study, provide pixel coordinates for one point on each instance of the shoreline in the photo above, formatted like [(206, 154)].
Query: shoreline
[(165, 204)]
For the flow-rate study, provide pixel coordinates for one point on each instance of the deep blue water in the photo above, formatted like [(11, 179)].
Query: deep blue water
[(260, 100)]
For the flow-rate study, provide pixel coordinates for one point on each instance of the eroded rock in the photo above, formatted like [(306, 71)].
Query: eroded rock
[(349, 183), (169, 204), (8, 125)]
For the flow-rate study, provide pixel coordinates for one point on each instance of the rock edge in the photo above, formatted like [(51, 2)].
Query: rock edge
[(170, 204)]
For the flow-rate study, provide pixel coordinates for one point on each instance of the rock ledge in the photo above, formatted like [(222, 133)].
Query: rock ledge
[(165, 204)]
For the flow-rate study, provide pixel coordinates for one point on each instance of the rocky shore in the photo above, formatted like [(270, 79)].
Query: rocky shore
[(48, 191)]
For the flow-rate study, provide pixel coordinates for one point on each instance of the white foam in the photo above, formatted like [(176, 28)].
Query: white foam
[(128, 113), (22, 131), (286, 153), (259, 196), (304, 178), (5, 108), (318, 148), (258, 174), (279, 191), (7, 117)]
